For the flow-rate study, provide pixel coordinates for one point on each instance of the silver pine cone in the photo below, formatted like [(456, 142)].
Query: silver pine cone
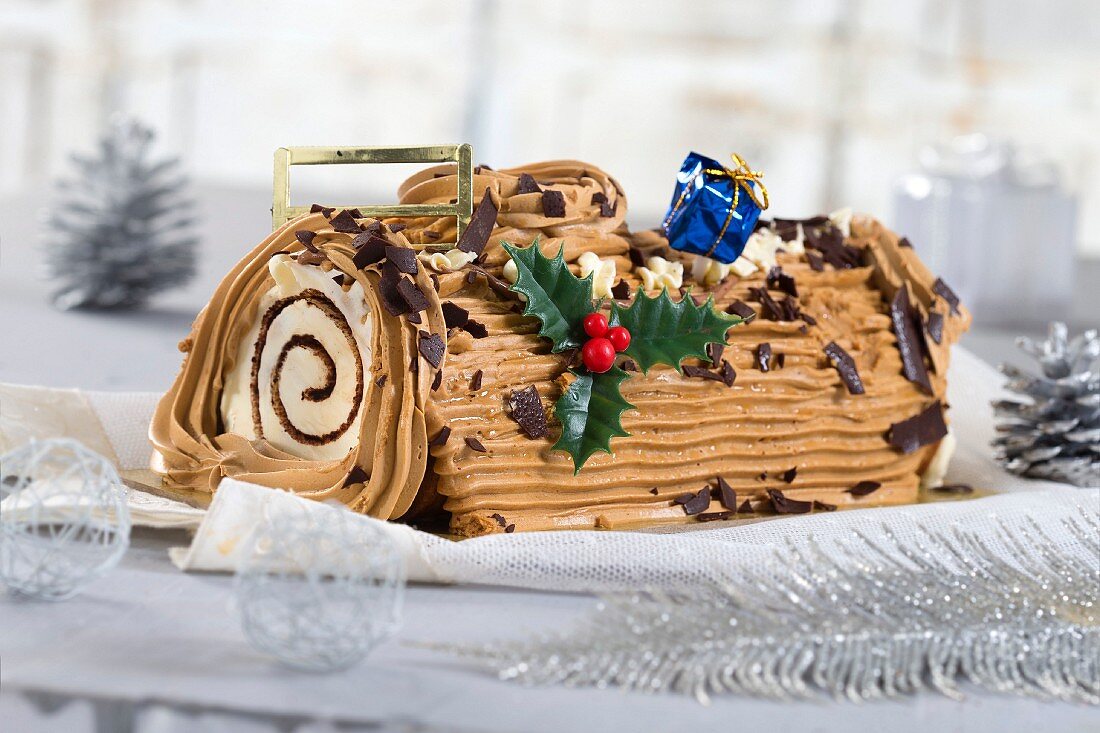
[(121, 230), (1055, 432)]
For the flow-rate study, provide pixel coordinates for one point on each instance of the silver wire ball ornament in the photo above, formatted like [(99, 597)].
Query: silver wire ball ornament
[(319, 588), (64, 520)]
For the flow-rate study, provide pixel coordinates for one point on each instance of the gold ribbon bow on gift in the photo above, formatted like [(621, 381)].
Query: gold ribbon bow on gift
[(742, 177)]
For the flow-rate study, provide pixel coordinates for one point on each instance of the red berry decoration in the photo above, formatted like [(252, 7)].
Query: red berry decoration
[(619, 337), (598, 355), (595, 325)]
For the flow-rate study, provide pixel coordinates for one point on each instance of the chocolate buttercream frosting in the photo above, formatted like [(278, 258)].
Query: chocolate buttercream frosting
[(334, 406)]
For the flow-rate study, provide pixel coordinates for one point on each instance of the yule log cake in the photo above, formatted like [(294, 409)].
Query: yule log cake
[(352, 359)]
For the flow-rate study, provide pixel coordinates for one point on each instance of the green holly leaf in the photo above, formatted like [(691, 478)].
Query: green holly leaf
[(590, 413), (555, 296), (665, 332)]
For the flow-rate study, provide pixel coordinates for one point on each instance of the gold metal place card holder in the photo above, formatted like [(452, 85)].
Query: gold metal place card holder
[(282, 211)]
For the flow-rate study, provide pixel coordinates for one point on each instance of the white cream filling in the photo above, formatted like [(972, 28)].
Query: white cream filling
[(602, 271), (659, 274), (302, 369), (936, 471)]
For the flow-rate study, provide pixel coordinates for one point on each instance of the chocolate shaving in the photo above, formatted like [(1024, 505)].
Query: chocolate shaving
[(369, 250), (954, 489), (940, 288), (701, 373), (770, 309), (935, 326), (413, 316), (715, 351), (380, 381), (527, 410), (398, 227), (694, 503), (654, 491), (306, 237), (475, 444), (476, 235), (476, 329), (823, 507), (713, 516), (432, 348), (454, 316), (475, 381), (323, 210), (740, 308), (607, 209), (728, 374), (637, 257), (438, 380), (413, 296), (816, 263), (906, 323), (808, 319), (727, 495), (344, 222), (628, 365), (788, 475), (922, 429), (829, 241), (779, 280), (553, 204), (904, 242), (620, 290), (499, 520), (764, 357), (599, 197), (527, 184), (745, 508), (784, 505), (355, 213), (441, 437), (845, 367), (356, 476), (791, 311), (510, 529), (311, 258), (403, 258), (863, 488)]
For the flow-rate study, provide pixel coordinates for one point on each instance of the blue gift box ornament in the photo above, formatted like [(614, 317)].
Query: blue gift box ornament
[(714, 208)]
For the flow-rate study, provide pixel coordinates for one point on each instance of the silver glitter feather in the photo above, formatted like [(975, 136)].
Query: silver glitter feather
[(863, 619)]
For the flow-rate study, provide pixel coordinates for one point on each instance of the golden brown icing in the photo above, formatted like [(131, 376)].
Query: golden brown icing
[(685, 432), (192, 449)]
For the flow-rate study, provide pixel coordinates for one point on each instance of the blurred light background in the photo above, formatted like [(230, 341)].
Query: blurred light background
[(834, 99)]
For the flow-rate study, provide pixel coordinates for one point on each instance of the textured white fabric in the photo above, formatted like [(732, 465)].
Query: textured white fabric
[(660, 557)]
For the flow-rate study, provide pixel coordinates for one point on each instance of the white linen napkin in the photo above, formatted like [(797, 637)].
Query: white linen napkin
[(116, 424)]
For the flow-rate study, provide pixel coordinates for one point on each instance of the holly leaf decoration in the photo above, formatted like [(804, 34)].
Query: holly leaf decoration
[(590, 413), (667, 332), (555, 296)]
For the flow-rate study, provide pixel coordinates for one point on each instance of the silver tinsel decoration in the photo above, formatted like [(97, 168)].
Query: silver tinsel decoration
[(319, 589), (121, 231), (870, 618), (64, 520), (1055, 433)]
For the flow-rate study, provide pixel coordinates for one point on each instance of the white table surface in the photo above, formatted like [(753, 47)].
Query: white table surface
[(149, 648)]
